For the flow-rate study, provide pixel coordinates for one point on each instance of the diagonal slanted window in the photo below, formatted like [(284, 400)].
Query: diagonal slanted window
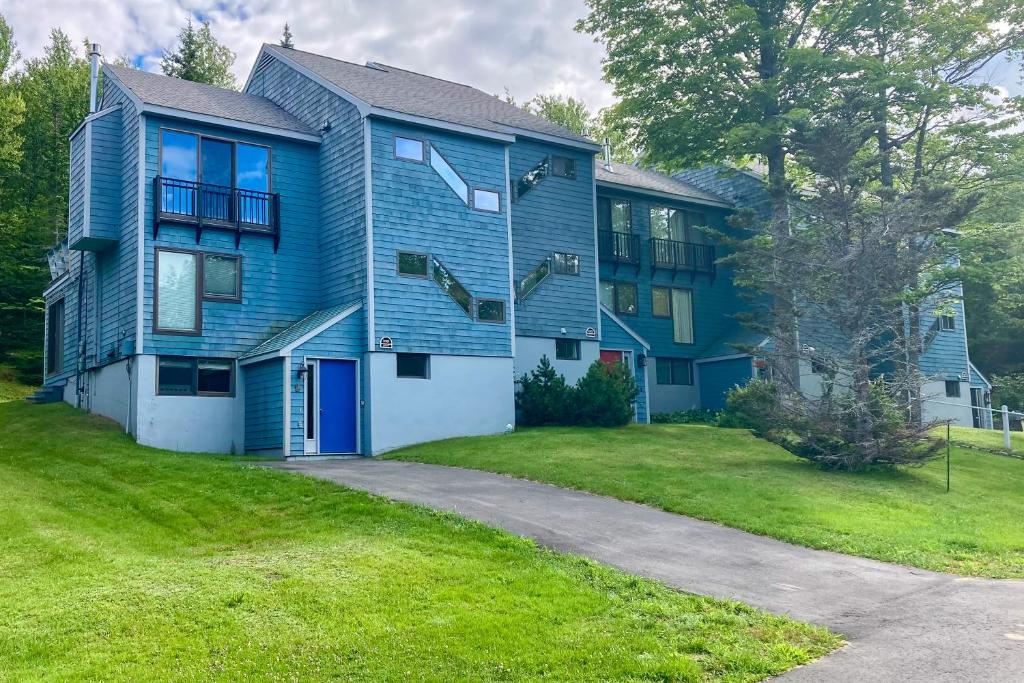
[(532, 178), (449, 175), (446, 281), (534, 278)]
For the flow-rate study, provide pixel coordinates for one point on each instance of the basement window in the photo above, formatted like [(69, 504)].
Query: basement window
[(178, 376), (412, 365), (952, 389), (567, 349)]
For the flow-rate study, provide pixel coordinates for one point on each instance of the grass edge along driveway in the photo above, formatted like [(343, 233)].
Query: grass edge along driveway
[(122, 562), (730, 477)]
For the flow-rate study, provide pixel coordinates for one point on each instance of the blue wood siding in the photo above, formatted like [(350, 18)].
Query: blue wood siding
[(556, 215), (414, 210), (945, 354), (715, 301), (76, 192), (345, 339), (106, 183), (613, 337), (340, 164), (716, 378), (264, 405), (277, 288)]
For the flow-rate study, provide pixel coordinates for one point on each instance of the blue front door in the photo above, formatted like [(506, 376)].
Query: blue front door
[(338, 406)]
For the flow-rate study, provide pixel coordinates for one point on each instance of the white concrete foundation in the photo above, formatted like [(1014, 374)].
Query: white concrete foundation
[(529, 351), (464, 396)]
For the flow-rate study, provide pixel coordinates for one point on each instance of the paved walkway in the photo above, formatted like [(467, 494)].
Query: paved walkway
[(902, 624)]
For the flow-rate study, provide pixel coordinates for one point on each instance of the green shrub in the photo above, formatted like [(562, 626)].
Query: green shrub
[(753, 407), (686, 417), (604, 396), (1008, 390), (544, 398)]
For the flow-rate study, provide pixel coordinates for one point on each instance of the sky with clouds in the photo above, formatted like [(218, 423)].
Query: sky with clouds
[(526, 46)]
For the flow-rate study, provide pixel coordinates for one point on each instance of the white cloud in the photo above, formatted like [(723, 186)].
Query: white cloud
[(528, 46)]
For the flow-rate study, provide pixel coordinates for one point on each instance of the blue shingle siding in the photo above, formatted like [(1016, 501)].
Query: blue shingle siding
[(613, 337), (414, 210), (744, 188), (341, 175), (264, 405), (106, 185), (945, 354), (556, 215), (277, 288), (716, 378), (345, 339), (77, 189), (714, 301)]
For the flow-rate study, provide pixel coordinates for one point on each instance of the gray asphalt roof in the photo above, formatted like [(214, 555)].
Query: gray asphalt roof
[(200, 98), (641, 179), (408, 92), (296, 331)]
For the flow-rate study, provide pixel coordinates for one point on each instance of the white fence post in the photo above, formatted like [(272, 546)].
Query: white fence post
[(1006, 427)]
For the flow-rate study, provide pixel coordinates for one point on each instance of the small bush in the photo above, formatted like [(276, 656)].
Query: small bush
[(604, 396), (686, 417), (753, 407), (544, 398)]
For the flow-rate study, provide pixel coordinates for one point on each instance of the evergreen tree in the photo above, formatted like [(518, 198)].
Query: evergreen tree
[(200, 57), (286, 37)]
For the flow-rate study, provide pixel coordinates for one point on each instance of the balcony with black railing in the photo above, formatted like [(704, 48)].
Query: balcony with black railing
[(618, 247), (206, 206), (682, 256)]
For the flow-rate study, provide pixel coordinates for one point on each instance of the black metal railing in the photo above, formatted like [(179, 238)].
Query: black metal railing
[(676, 255), (216, 206), (618, 247)]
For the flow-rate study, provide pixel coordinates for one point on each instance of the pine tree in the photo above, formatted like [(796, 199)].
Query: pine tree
[(200, 57), (286, 37)]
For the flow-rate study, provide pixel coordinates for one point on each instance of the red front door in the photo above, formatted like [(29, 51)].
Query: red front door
[(611, 357)]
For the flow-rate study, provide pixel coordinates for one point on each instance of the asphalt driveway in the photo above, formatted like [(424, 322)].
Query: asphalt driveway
[(903, 624)]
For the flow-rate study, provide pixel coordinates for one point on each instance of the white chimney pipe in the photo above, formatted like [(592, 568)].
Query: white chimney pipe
[(607, 154), (94, 74)]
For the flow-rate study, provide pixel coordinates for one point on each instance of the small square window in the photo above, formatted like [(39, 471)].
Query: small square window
[(567, 264), (952, 389), (947, 322), (222, 277), (490, 311), (176, 377), (567, 349), (486, 200), (563, 167), (411, 264), (412, 365), (410, 149), (214, 377)]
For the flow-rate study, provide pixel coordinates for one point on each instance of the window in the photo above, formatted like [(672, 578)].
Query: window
[(947, 322), (567, 349), (55, 338), (952, 389), (195, 376), (177, 300), (534, 278), (223, 166), (213, 377), (674, 371), (567, 264), (682, 316), (222, 277), (448, 175), (412, 365), (625, 298), (661, 298), (531, 178), (668, 224), (563, 167), (486, 200), (446, 281), (411, 264), (490, 311), (408, 148), (818, 367), (614, 215)]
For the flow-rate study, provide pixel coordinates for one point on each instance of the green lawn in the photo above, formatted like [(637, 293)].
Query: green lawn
[(991, 439), (127, 563), (728, 476), (14, 391)]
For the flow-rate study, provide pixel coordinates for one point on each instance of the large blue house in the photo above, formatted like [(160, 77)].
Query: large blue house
[(350, 258)]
